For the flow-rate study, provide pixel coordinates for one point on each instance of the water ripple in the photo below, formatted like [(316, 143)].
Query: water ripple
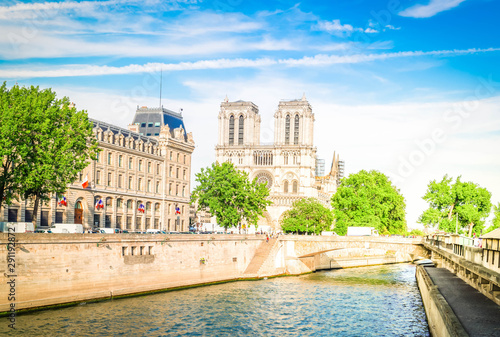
[(369, 301)]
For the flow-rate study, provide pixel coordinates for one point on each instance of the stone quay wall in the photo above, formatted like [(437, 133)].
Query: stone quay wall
[(54, 269)]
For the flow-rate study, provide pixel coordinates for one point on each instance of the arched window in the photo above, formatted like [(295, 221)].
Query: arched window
[(78, 205), (231, 130), (287, 129), (129, 204), (294, 187), (240, 130), (296, 130), (285, 187)]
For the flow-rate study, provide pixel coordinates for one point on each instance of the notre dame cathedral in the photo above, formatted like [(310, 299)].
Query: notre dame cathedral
[(288, 166)]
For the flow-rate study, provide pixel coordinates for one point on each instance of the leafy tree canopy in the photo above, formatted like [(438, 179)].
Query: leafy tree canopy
[(495, 223), (45, 143), (307, 216), (368, 199), (456, 204), (229, 195)]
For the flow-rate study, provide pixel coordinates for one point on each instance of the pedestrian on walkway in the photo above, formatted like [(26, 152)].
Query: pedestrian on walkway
[(267, 238)]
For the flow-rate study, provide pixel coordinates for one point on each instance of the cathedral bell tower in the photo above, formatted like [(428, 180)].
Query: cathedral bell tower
[(239, 124), (294, 123)]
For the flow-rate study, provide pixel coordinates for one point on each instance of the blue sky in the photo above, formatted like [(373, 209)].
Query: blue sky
[(410, 88)]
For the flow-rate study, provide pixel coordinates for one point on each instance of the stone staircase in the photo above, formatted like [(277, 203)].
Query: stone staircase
[(260, 257)]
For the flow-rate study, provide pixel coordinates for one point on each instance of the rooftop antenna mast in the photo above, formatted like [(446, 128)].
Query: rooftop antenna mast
[(161, 82)]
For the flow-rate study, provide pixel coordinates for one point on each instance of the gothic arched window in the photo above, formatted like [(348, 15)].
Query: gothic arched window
[(296, 130), (231, 130), (294, 186), (285, 187), (287, 129), (240, 130)]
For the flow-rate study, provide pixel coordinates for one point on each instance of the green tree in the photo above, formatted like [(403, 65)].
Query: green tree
[(458, 205), (368, 199), (307, 215), (229, 195), (416, 232), (12, 142), (495, 223), (56, 143)]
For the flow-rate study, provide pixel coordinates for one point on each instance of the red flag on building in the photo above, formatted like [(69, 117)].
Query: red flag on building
[(85, 183)]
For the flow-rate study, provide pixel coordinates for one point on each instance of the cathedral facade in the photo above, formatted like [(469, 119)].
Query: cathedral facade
[(287, 166)]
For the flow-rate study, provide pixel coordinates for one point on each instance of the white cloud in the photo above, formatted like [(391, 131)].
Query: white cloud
[(336, 28), (317, 60), (391, 27), (434, 7), (370, 30)]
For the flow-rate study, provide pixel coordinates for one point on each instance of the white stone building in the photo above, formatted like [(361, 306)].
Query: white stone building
[(288, 165)]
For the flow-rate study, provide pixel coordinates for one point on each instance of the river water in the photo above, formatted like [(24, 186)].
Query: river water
[(367, 301)]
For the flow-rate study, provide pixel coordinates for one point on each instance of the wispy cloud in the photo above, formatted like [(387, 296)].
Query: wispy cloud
[(224, 63), (434, 7), (336, 28)]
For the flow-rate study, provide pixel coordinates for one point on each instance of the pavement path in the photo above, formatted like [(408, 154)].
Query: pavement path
[(479, 315)]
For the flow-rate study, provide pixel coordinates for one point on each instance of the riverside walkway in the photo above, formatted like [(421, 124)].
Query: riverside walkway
[(478, 315)]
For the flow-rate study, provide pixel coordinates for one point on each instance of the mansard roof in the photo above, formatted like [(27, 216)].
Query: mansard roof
[(116, 130)]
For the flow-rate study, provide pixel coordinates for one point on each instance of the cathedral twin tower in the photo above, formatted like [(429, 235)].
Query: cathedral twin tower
[(287, 166)]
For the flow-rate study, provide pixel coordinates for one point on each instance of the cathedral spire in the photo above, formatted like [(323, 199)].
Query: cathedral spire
[(304, 97), (226, 99)]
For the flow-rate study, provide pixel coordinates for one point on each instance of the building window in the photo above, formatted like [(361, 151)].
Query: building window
[(120, 180), (149, 167), (119, 221), (178, 157), (157, 168), (109, 202), (148, 134), (287, 129), (294, 187), (184, 174), (184, 159), (130, 163), (296, 130), (129, 222), (150, 124), (157, 124), (109, 179), (285, 187), (130, 183), (183, 191), (157, 207), (170, 189), (140, 165), (231, 130), (148, 207), (129, 204), (149, 185), (139, 184), (157, 187), (177, 173), (143, 125), (98, 177), (109, 158), (176, 189), (119, 203), (98, 157), (240, 130), (120, 161), (171, 154)]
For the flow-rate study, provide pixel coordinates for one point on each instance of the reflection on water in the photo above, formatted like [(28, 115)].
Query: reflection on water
[(369, 301)]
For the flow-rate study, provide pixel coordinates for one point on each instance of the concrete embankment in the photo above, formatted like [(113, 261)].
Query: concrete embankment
[(46, 270), (453, 307)]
